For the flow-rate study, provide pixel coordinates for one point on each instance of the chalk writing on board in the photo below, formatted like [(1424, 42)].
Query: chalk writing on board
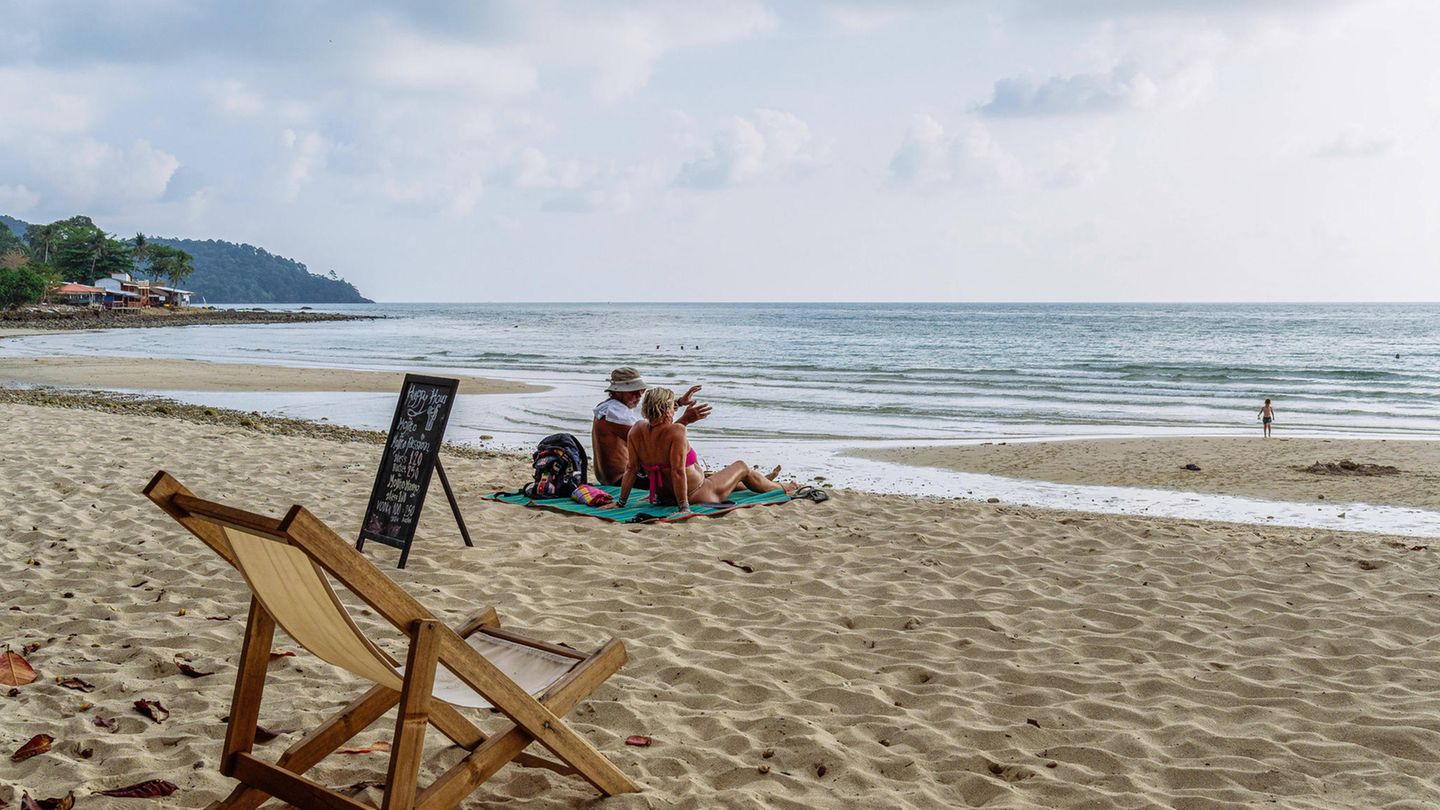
[(416, 434)]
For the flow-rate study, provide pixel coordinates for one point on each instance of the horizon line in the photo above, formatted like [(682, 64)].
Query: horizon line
[(894, 301)]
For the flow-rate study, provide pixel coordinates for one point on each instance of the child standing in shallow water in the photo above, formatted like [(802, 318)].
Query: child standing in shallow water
[(1267, 415)]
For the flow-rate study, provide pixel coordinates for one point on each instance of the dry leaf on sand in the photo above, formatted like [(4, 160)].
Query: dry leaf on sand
[(153, 709), (63, 803), (15, 670), (38, 744)]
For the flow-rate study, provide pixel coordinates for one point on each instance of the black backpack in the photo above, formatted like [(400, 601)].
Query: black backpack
[(560, 466)]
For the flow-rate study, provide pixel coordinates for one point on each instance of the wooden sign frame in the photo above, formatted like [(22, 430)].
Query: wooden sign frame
[(431, 463)]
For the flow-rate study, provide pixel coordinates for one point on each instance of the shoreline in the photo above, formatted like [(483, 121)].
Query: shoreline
[(1386, 472), (1139, 475), (47, 319), (165, 374), (116, 402), (149, 405)]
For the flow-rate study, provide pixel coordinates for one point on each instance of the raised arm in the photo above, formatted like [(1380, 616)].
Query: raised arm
[(693, 414), (694, 411)]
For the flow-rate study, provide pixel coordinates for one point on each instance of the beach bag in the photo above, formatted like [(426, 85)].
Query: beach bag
[(590, 495), (560, 466)]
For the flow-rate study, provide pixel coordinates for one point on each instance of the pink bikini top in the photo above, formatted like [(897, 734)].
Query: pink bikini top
[(653, 471)]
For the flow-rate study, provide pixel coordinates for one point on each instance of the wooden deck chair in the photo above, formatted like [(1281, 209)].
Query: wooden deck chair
[(478, 665)]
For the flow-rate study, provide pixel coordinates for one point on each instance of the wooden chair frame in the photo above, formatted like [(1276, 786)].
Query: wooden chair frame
[(531, 719)]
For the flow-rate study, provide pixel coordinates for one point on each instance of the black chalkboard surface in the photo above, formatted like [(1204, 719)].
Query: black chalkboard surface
[(412, 452)]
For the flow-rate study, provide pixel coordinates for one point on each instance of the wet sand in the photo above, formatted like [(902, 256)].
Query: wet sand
[(1272, 469), (199, 375)]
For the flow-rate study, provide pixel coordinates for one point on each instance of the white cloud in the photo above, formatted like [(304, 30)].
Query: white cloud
[(621, 47), (306, 153), (404, 60), (574, 186), (450, 184), (929, 157), (1123, 87), (862, 19), (43, 102), (529, 168), (196, 206), (1352, 144), (17, 199), (1076, 162), (91, 174), (1138, 67), (768, 144), (233, 98), (588, 201)]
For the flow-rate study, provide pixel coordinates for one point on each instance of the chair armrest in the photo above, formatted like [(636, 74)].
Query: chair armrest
[(485, 618)]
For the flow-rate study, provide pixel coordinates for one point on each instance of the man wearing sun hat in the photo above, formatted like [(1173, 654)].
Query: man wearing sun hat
[(615, 416)]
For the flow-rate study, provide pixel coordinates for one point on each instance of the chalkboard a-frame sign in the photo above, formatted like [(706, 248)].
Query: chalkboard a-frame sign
[(412, 452)]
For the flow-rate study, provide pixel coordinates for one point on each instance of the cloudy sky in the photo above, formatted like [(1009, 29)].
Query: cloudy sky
[(1052, 150)]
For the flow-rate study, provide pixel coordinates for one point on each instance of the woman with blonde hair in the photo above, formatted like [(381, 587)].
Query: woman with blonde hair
[(662, 448)]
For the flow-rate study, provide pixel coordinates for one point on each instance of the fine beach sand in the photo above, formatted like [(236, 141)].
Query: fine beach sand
[(1252, 467), (202, 375), (892, 652)]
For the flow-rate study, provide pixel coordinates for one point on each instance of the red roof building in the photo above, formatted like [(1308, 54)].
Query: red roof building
[(79, 295)]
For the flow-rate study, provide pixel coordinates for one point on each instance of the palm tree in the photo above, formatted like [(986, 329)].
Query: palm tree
[(41, 240), (172, 264), (140, 250), (94, 245)]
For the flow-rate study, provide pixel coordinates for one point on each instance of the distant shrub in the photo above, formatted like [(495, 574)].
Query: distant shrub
[(20, 285)]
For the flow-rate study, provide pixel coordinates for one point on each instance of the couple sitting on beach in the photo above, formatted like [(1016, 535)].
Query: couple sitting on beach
[(637, 437)]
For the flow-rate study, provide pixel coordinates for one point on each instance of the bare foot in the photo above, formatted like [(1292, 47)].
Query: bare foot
[(774, 472), (789, 487)]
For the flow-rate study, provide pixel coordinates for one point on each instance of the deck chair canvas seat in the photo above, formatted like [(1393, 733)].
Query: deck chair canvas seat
[(297, 595), (285, 563)]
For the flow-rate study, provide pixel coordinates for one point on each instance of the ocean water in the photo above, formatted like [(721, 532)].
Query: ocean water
[(899, 371), (800, 383)]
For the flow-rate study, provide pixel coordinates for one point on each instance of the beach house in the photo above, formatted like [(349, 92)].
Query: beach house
[(169, 297), (123, 292), (80, 295)]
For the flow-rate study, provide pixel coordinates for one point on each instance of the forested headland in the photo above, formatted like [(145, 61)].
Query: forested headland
[(35, 258)]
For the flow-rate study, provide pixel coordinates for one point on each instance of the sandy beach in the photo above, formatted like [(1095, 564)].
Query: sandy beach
[(200, 375), (884, 651), (1287, 469)]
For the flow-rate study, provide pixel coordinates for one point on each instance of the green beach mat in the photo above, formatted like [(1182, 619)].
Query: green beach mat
[(643, 511)]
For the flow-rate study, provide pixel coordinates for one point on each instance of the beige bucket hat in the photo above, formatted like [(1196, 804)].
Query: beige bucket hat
[(626, 378)]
